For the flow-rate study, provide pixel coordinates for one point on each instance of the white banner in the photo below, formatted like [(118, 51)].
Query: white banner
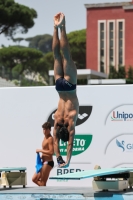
[(104, 129)]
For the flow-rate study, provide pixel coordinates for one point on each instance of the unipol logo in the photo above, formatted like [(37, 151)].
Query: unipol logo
[(121, 116), (84, 114)]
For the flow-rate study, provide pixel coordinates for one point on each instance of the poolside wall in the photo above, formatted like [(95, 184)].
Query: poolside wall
[(104, 130)]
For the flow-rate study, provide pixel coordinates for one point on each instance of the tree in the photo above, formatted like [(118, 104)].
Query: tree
[(130, 73), (16, 71), (45, 64), (18, 39), (19, 46), (15, 60), (77, 42), (15, 17), (113, 73), (121, 72), (41, 42)]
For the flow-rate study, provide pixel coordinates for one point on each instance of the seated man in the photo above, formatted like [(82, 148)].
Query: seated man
[(47, 157), (65, 74)]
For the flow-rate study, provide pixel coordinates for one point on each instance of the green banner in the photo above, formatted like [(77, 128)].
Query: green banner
[(80, 144)]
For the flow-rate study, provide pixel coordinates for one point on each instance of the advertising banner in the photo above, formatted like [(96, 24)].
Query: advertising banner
[(104, 129)]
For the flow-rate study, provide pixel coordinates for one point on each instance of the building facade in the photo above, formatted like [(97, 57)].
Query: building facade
[(109, 39)]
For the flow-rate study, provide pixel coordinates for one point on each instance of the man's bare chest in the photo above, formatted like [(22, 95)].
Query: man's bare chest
[(45, 144)]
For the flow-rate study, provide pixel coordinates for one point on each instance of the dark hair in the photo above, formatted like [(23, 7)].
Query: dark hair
[(46, 125), (62, 133)]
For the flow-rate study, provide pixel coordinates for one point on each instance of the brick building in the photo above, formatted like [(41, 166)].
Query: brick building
[(109, 36)]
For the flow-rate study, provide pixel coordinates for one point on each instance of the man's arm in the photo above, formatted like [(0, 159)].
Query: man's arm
[(51, 148), (56, 143), (71, 130), (70, 145)]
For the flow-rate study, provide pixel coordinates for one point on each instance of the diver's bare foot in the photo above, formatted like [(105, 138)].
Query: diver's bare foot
[(59, 20), (56, 19), (62, 20)]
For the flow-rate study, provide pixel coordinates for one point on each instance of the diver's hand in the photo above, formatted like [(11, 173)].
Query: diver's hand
[(64, 165)]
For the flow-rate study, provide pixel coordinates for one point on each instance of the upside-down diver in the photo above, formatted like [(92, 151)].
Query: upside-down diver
[(65, 74)]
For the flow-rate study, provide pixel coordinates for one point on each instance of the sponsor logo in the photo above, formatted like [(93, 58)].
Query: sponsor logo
[(80, 144), (121, 116), (120, 143), (122, 113), (66, 171), (84, 114), (124, 146)]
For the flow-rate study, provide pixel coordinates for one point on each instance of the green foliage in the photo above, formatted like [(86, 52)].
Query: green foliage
[(12, 57), (121, 72), (49, 60), (129, 81), (15, 17), (18, 59), (77, 42), (16, 82), (26, 82), (19, 46), (82, 82), (18, 40), (45, 64), (114, 74), (16, 71), (41, 42), (130, 73)]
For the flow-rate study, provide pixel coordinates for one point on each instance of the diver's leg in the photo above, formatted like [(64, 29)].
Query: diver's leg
[(58, 66), (70, 70)]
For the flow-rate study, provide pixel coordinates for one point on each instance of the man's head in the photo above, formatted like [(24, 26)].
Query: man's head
[(62, 132), (46, 128)]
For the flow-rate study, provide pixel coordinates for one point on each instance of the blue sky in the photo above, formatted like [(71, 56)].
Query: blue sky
[(73, 9)]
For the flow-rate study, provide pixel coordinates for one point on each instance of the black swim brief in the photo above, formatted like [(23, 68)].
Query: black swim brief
[(63, 85), (50, 163)]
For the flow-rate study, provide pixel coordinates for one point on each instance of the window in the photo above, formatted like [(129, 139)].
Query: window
[(120, 42), (120, 46), (102, 47), (111, 49), (111, 43), (101, 39)]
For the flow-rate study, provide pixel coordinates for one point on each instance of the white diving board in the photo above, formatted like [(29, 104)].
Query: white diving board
[(8, 169), (92, 173), (11, 176)]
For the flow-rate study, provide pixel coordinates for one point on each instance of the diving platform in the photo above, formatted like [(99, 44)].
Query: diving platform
[(13, 176), (118, 178), (103, 179)]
